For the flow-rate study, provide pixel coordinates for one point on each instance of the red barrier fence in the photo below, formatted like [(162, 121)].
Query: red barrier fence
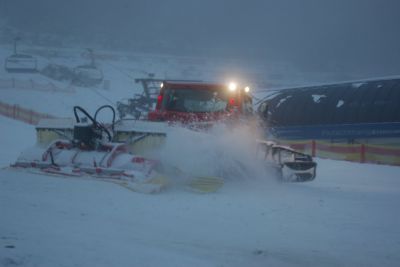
[(364, 153), (22, 114)]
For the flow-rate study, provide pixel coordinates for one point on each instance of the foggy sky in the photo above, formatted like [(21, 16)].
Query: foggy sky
[(314, 34)]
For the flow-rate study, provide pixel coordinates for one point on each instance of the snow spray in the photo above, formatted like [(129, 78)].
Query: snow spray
[(224, 151)]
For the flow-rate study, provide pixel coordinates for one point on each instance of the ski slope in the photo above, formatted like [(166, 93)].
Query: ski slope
[(119, 70), (348, 216)]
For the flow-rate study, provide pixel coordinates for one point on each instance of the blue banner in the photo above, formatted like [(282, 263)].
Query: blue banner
[(338, 131)]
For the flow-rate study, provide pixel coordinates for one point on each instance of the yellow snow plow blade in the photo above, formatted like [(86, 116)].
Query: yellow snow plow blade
[(206, 184), (147, 144), (141, 143), (154, 185)]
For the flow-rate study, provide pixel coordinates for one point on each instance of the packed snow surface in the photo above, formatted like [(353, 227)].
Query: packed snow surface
[(348, 216), (317, 98), (15, 136), (340, 103)]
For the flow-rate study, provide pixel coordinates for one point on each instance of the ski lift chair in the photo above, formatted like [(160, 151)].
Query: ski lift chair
[(20, 63), (87, 75)]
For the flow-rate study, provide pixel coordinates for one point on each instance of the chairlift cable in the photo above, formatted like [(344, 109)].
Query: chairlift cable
[(125, 72), (103, 96)]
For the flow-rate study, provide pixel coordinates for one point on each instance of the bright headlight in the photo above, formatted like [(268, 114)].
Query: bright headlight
[(232, 86), (247, 89)]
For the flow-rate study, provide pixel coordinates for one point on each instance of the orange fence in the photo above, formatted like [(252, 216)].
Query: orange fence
[(364, 153), (18, 113)]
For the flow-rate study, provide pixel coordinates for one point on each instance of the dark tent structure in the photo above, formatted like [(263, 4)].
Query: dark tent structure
[(349, 110)]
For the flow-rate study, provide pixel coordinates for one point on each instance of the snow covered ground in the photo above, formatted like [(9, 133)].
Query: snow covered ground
[(348, 216), (14, 134), (119, 70)]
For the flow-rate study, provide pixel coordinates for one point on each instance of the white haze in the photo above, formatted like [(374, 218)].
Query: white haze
[(348, 37), (348, 216), (225, 151)]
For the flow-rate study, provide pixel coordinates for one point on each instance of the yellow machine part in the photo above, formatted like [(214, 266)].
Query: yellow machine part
[(141, 143), (46, 136)]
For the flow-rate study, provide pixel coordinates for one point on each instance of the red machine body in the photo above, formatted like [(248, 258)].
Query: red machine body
[(188, 102)]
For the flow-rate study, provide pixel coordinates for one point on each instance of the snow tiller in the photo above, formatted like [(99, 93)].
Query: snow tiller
[(127, 151), (87, 149)]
